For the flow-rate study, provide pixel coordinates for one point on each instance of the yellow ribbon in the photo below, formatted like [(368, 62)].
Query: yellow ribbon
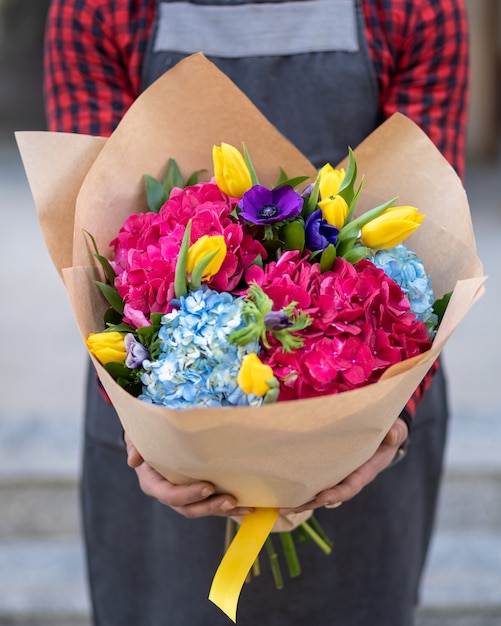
[(239, 558)]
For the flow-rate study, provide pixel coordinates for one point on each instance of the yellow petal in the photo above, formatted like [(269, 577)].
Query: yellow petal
[(107, 347), (391, 227), (230, 170), (253, 375), (201, 248), (330, 181), (334, 211)]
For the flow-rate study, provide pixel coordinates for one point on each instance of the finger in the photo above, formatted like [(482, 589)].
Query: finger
[(397, 434), (155, 485), (134, 459), (220, 505)]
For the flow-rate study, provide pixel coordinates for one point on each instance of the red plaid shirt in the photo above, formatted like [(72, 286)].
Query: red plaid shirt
[(94, 53)]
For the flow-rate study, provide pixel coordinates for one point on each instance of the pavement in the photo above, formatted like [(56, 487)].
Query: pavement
[(42, 367)]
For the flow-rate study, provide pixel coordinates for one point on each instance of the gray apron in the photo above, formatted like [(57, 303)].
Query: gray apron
[(306, 65)]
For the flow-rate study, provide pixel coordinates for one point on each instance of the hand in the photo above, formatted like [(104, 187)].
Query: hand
[(357, 480), (194, 500)]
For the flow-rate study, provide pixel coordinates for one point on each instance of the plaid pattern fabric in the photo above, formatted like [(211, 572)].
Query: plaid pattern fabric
[(94, 51)]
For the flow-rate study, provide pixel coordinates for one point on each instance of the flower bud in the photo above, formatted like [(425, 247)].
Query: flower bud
[(201, 248), (334, 211), (330, 180), (391, 227), (230, 170), (107, 347)]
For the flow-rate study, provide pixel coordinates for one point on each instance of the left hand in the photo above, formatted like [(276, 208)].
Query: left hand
[(357, 480)]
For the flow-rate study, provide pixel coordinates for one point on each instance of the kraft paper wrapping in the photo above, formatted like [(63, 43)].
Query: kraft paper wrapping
[(278, 455)]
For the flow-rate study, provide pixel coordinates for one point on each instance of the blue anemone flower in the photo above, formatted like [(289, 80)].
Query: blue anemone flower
[(263, 206), (318, 232)]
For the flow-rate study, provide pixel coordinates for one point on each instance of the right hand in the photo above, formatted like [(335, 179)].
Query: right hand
[(194, 500)]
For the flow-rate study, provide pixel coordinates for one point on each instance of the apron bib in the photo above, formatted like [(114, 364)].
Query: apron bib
[(304, 63)]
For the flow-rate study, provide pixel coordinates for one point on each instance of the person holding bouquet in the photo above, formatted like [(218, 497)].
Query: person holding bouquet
[(326, 74)]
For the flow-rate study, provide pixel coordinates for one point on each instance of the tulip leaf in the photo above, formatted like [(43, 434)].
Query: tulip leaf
[(356, 254), (292, 182), (281, 178), (156, 195), (198, 270), (180, 285), (327, 258), (250, 166), (311, 204), (347, 188), (111, 295), (349, 230), (105, 264)]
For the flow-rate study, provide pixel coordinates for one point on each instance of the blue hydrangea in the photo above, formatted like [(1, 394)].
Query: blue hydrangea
[(197, 365), (407, 270)]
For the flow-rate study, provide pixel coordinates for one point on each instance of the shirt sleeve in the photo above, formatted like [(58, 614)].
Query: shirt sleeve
[(421, 56), (93, 54), (420, 52)]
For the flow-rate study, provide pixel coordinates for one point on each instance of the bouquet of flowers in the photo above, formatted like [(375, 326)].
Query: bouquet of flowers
[(249, 289), (229, 293)]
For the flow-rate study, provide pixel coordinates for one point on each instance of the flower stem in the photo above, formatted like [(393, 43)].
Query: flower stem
[(322, 543), (275, 565), (290, 554)]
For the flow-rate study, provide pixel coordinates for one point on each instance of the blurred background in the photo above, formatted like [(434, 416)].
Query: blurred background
[(42, 368)]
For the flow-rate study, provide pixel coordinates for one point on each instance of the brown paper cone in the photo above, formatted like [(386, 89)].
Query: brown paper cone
[(281, 454)]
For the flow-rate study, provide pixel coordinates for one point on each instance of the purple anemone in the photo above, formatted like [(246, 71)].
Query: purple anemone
[(263, 206)]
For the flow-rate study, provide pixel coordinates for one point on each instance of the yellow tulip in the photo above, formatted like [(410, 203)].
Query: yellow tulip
[(334, 211), (254, 375), (330, 181), (230, 170), (201, 248), (391, 227), (107, 347)]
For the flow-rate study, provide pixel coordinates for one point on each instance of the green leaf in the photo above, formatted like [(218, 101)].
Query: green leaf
[(112, 317), (327, 258), (173, 177), (292, 235), (440, 306), (198, 270), (356, 254), (156, 195), (180, 283), (292, 182), (352, 229), (281, 178), (194, 178), (118, 370), (311, 204), (346, 189), (105, 264), (250, 166), (111, 295)]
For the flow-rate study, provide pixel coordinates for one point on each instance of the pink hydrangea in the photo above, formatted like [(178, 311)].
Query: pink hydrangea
[(361, 325), (147, 246)]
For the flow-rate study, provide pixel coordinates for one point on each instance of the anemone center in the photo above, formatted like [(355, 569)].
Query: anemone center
[(267, 211)]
